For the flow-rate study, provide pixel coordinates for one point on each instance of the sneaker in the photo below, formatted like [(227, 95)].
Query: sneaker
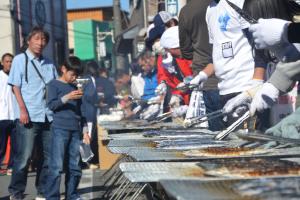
[(40, 197), (16, 197), (93, 166), (9, 172)]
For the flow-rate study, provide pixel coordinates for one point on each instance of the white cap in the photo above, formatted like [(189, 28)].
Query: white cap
[(170, 38)]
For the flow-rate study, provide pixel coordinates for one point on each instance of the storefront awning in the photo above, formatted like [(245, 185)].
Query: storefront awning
[(124, 41)]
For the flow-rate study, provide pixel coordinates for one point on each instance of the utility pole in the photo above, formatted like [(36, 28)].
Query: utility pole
[(120, 59)]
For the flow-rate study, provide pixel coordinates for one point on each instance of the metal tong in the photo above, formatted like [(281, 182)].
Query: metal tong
[(258, 136), (187, 87), (161, 118), (223, 134), (197, 120), (242, 13), (158, 119)]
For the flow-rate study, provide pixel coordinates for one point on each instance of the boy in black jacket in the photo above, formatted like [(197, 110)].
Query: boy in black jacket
[(64, 99)]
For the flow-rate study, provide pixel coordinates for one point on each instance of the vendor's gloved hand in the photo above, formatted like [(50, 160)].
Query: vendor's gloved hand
[(137, 109), (187, 80), (199, 79), (154, 100), (161, 89), (288, 127), (241, 99), (269, 32), (175, 101), (179, 111), (151, 112), (264, 98), (244, 98)]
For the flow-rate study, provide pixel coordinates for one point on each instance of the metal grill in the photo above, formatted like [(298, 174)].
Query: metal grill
[(155, 166), (148, 154), (190, 143), (120, 150), (156, 176), (128, 143), (250, 167), (127, 136), (150, 177), (270, 188), (131, 125), (179, 131), (154, 155)]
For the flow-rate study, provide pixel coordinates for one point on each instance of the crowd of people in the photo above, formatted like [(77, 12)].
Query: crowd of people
[(208, 59), (48, 115)]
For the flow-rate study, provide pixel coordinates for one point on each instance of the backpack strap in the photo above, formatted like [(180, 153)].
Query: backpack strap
[(26, 67), (38, 72), (36, 69)]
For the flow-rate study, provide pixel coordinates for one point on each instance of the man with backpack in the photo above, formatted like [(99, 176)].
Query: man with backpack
[(29, 75)]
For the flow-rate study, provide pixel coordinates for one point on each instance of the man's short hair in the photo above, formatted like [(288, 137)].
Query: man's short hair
[(73, 63), (38, 29), (146, 54), (6, 54)]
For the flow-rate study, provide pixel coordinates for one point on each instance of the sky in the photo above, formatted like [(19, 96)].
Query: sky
[(77, 4)]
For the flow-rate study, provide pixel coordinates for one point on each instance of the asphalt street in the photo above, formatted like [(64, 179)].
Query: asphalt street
[(90, 186)]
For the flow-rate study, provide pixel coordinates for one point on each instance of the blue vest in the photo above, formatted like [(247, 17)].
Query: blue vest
[(150, 85)]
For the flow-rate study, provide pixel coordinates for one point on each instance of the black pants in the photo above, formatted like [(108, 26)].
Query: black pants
[(7, 128)]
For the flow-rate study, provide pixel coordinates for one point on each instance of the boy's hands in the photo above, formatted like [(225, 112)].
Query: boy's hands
[(76, 94), (86, 138)]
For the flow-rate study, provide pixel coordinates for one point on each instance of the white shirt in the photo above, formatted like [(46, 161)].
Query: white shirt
[(232, 53), (7, 99), (137, 86)]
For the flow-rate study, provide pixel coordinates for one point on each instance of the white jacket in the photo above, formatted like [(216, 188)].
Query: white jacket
[(7, 99), (137, 86)]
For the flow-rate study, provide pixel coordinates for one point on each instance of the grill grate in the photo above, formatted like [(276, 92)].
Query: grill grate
[(128, 143), (268, 188), (149, 154), (153, 172), (155, 166)]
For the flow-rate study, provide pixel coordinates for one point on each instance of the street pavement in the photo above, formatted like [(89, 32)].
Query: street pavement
[(90, 186)]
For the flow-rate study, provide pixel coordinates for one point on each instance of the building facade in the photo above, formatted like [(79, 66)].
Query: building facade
[(91, 33), (22, 15), (92, 40)]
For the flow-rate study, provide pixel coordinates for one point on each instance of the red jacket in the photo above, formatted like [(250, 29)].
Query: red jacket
[(171, 80)]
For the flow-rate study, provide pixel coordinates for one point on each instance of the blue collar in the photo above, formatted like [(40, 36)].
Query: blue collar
[(31, 56)]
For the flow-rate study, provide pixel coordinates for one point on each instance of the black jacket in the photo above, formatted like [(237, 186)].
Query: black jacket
[(294, 33)]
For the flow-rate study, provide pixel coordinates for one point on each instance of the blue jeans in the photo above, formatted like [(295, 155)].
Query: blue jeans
[(213, 103), (27, 136), (64, 143)]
